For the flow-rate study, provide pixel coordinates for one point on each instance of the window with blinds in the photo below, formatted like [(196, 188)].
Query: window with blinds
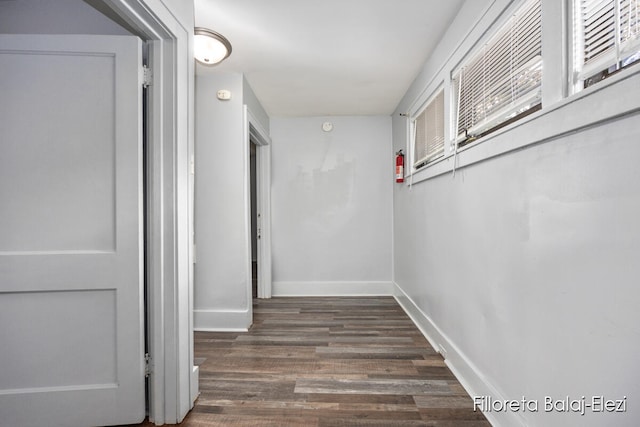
[(608, 37), (428, 128), (502, 82)]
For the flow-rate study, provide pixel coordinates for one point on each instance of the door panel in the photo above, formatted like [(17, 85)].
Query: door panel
[(51, 142), (71, 307)]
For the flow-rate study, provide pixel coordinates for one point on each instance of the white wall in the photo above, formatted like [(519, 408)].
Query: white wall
[(222, 272), (523, 268), (254, 106), (221, 298), (331, 219)]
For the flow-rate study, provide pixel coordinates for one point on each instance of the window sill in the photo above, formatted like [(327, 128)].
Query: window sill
[(608, 100)]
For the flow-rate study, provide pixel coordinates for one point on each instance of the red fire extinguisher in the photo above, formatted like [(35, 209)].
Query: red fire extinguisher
[(399, 166)]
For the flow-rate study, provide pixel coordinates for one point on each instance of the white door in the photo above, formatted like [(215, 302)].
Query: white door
[(71, 291)]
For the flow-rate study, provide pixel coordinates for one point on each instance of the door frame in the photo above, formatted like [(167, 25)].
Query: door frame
[(255, 132), (173, 380)]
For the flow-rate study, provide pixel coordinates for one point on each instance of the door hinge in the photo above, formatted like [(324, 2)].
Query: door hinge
[(147, 76), (147, 365)]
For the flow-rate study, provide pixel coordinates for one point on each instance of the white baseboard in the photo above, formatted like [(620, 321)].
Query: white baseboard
[(331, 289), (195, 384), (465, 371), (221, 320)]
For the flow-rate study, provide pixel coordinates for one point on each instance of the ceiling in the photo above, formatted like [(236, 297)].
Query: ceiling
[(328, 57)]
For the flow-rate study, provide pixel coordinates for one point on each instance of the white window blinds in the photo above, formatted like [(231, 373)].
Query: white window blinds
[(504, 79), (610, 33), (429, 132)]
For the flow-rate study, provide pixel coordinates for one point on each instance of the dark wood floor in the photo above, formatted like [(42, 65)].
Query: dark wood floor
[(327, 362)]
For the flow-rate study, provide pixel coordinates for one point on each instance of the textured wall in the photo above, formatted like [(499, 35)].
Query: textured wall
[(331, 213)]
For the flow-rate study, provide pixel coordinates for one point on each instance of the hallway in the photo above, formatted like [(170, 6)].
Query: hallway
[(327, 362)]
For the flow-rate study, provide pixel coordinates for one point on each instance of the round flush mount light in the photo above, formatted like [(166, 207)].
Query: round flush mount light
[(210, 48)]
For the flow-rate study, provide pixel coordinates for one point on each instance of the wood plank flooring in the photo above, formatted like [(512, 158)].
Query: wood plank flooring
[(327, 362)]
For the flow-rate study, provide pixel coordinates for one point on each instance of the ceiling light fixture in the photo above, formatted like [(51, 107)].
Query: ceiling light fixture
[(210, 48)]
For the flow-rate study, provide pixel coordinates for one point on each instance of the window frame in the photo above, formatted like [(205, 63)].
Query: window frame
[(586, 75), (504, 116), (418, 164)]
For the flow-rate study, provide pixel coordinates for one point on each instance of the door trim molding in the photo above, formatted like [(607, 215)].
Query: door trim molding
[(173, 380), (256, 132)]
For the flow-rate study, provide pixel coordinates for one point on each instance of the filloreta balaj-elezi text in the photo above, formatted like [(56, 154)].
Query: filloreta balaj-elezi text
[(580, 406)]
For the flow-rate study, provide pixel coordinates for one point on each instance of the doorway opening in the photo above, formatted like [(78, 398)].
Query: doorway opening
[(258, 207), (255, 216), (171, 379)]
